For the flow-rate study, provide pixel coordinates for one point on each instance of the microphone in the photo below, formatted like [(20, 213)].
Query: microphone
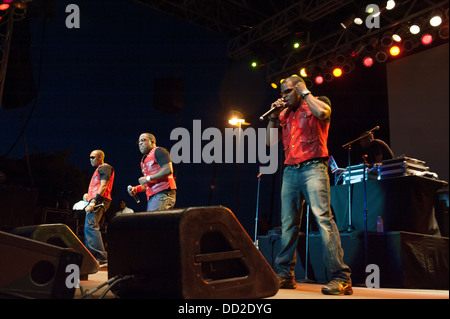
[(280, 103), (134, 196)]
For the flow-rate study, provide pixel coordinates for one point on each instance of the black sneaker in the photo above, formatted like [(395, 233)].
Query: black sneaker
[(337, 287), (287, 282)]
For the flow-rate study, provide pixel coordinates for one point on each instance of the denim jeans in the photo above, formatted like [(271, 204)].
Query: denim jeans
[(162, 200), (92, 236), (310, 183)]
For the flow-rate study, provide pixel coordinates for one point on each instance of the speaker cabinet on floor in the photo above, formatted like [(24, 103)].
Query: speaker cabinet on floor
[(192, 253), (32, 269), (60, 235), (405, 260)]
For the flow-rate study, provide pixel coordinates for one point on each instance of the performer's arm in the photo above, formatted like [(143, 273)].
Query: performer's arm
[(273, 130), (165, 171)]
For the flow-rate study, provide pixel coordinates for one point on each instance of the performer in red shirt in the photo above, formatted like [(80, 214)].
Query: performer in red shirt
[(158, 182), (99, 198), (302, 121)]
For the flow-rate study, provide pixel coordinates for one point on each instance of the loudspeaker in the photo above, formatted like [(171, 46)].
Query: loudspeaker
[(168, 95), (31, 269), (191, 253), (60, 235), (405, 260)]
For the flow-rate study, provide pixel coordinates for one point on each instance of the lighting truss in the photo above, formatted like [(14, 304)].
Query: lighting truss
[(346, 39)]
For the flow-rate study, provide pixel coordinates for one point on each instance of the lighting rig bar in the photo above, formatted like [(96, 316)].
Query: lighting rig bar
[(341, 40)]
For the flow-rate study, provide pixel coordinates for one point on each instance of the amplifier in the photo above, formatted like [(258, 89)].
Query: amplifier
[(403, 166), (356, 173)]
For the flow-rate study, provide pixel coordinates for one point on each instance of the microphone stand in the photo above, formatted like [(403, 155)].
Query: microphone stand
[(306, 280), (348, 146), (257, 210), (350, 227), (365, 207)]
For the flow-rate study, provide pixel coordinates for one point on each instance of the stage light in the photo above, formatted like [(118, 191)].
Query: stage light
[(337, 72), (236, 121), (397, 38), (318, 79), (303, 72), (443, 32), (371, 45), (408, 45), (394, 50), (358, 21), (296, 45), (340, 59), (426, 39), (254, 64), (390, 5), (381, 56), (414, 29), (4, 6), (387, 40), (368, 61), (236, 118), (348, 67), (435, 21), (274, 85)]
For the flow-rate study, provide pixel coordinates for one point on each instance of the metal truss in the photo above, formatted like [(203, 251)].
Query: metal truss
[(348, 40), (263, 27)]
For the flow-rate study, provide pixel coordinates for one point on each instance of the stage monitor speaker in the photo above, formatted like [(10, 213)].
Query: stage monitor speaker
[(60, 235), (191, 253), (32, 269)]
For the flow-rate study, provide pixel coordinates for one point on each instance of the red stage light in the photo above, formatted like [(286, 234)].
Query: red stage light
[(318, 79), (368, 61), (4, 6), (395, 50), (427, 39)]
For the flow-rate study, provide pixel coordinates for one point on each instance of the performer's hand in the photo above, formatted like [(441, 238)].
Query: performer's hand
[(279, 104), (300, 87), (85, 197), (142, 180), (90, 208), (132, 191)]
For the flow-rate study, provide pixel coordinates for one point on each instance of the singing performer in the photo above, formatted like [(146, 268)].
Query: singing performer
[(99, 198), (303, 122), (158, 182)]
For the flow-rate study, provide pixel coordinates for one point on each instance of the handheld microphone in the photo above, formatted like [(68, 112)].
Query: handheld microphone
[(134, 196), (274, 107)]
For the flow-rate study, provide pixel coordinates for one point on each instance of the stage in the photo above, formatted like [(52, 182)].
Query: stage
[(303, 291)]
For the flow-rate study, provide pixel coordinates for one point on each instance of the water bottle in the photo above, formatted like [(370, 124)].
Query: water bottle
[(380, 227)]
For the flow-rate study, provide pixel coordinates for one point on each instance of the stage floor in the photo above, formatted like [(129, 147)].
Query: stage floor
[(303, 291)]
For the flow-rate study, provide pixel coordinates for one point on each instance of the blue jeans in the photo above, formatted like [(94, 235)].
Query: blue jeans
[(310, 183), (162, 200), (92, 236)]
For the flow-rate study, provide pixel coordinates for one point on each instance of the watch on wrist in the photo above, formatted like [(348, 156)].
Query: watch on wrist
[(305, 93)]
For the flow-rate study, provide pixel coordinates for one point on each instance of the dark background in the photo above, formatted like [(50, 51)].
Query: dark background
[(95, 91)]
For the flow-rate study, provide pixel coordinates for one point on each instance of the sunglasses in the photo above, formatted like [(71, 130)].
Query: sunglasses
[(142, 140)]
